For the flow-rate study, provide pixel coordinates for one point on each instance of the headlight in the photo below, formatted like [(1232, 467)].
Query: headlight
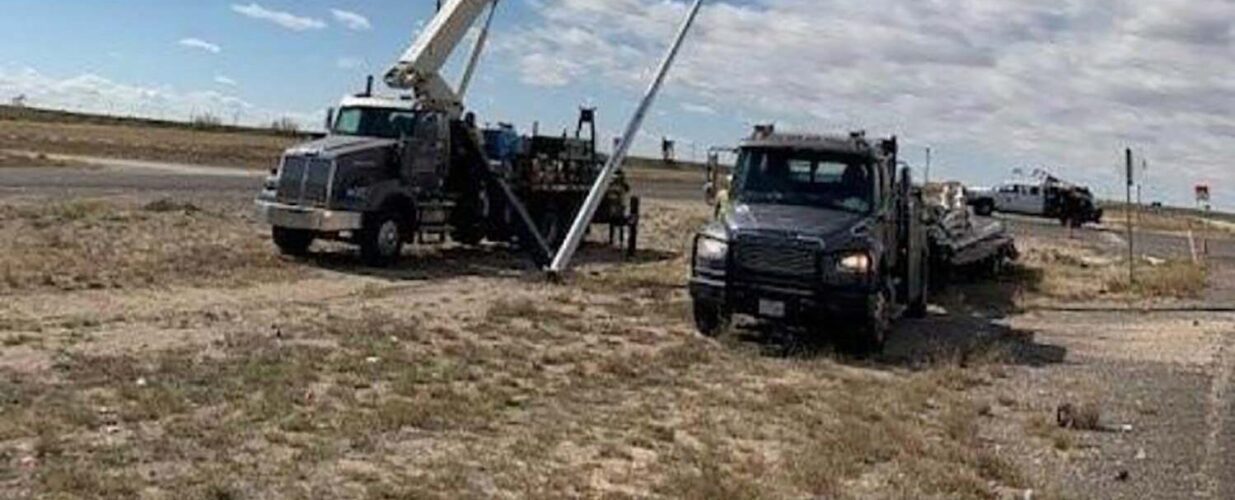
[(710, 249), (857, 263)]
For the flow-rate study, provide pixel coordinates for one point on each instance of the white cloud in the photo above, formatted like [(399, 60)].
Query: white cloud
[(223, 80), (350, 63), (285, 19), (351, 20), (1063, 83), (702, 109), (95, 94), (197, 43), (544, 70)]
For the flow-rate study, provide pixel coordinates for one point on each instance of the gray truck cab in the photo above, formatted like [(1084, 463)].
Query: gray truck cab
[(372, 180), (814, 228)]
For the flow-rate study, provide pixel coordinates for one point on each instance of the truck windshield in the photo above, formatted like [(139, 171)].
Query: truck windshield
[(800, 177), (375, 122)]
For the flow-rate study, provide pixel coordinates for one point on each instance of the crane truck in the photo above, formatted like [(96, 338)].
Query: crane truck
[(816, 228), (393, 170)]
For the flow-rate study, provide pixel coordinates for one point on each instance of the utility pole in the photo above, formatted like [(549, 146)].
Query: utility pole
[(926, 176), (575, 236), (1128, 211)]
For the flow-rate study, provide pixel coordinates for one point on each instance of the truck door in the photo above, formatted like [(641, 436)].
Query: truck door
[(1005, 198), (1021, 200), (1035, 201), (889, 205), (425, 152)]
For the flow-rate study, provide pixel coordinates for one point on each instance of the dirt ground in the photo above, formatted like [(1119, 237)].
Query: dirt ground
[(202, 363), (153, 345)]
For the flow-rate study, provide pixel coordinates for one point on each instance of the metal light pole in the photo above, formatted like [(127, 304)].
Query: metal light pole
[(562, 260), (926, 176)]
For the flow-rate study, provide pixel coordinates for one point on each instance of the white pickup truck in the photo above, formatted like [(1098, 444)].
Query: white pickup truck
[(1070, 204)]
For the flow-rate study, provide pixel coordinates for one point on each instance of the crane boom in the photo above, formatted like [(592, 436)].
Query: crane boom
[(420, 66)]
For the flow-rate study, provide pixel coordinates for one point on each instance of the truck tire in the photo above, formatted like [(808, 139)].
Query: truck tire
[(472, 230), (918, 306), (984, 208), (293, 242), (470, 235), (632, 229), (873, 333), (710, 319), (381, 239)]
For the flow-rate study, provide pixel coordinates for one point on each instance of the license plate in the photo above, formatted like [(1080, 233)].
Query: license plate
[(771, 308)]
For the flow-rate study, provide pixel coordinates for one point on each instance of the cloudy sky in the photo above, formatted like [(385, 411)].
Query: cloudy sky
[(989, 85)]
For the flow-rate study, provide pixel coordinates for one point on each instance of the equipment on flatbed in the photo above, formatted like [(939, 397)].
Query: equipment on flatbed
[(817, 229), (959, 241), (392, 170)]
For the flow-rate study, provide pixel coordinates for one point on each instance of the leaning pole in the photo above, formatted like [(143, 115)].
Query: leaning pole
[(561, 261)]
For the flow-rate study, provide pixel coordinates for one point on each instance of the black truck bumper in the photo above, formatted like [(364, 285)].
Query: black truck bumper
[(792, 306)]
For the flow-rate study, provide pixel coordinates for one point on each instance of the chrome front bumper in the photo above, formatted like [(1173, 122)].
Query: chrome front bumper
[(312, 219)]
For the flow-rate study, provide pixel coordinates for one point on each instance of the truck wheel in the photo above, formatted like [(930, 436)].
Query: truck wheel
[(710, 319), (468, 235), (984, 208), (632, 229), (918, 307), (381, 240), (873, 334), (292, 241), (472, 230)]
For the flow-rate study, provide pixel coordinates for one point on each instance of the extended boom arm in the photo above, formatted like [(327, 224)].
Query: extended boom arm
[(419, 68)]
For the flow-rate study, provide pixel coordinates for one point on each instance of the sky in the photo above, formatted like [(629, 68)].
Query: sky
[(989, 85)]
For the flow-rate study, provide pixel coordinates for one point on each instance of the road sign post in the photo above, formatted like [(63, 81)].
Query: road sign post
[(1202, 204)]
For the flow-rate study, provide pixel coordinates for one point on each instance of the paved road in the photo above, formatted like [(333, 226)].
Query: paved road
[(1156, 244), (109, 177)]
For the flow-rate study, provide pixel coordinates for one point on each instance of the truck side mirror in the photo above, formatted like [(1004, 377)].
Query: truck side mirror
[(329, 119)]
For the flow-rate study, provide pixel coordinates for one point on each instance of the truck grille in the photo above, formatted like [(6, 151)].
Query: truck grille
[(304, 181), (776, 258), (291, 177), (317, 182)]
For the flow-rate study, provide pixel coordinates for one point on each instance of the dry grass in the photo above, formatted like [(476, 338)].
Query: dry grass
[(145, 143), (1073, 271), (595, 388), (1157, 220), (1180, 279), (13, 159), (536, 415), (89, 244)]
